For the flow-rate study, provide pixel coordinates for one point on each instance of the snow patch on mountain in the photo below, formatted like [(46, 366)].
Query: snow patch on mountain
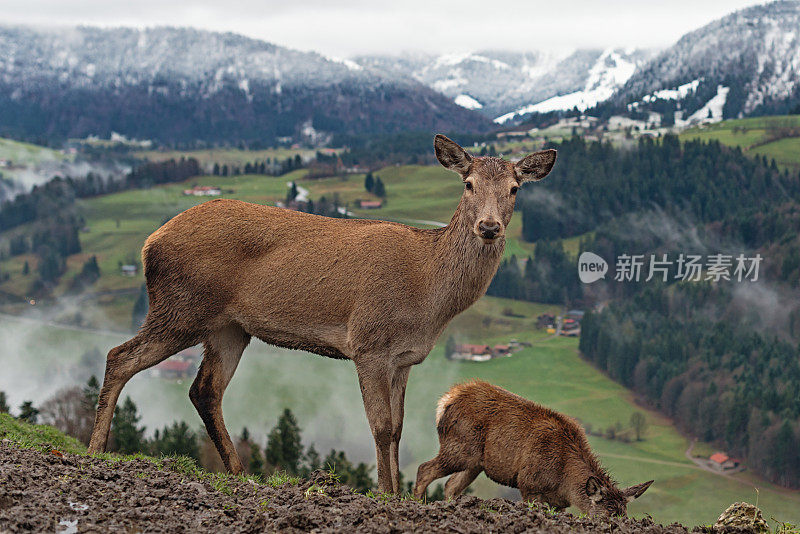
[(673, 94), (712, 110), (611, 70), (466, 101)]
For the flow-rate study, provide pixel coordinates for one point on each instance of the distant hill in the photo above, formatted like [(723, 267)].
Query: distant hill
[(183, 85), (749, 61), (499, 83)]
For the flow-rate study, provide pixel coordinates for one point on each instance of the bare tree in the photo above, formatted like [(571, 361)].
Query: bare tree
[(639, 424), (70, 411)]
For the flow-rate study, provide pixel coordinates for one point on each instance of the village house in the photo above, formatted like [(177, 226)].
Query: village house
[(370, 204), (129, 270), (180, 366), (722, 462), (571, 327), (481, 353), (203, 191)]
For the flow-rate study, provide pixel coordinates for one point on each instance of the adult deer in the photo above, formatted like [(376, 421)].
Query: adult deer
[(377, 293)]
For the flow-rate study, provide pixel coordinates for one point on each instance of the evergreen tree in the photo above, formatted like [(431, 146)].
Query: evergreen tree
[(369, 182), (127, 436), (313, 460), (51, 264), (355, 476), (26, 269), (91, 391), (292, 194), (28, 413), (140, 308), (4, 403), (176, 439), (379, 190), (215, 172), (284, 446), (449, 347)]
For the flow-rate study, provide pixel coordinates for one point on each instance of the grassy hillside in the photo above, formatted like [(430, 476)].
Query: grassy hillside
[(118, 224), (27, 154), (776, 138), (324, 395)]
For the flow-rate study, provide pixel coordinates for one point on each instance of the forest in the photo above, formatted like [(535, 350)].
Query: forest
[(721, 359), (688, 350), (595, 182)]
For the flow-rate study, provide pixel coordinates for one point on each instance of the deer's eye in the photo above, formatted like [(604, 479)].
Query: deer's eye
[(468, 185), (514, 190)]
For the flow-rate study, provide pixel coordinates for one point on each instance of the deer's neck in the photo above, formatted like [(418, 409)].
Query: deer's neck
[(464, 266)]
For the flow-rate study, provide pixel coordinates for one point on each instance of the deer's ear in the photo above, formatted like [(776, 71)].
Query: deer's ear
[(594, 490), (535, 166), (451, 155), (634, 492)]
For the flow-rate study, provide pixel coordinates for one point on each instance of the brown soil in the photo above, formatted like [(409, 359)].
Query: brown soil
[(42, 492)]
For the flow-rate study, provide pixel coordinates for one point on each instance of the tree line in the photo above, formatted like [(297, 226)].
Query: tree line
[(54, 221)]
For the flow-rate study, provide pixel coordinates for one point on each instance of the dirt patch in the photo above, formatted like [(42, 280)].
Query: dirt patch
[(43, 492)]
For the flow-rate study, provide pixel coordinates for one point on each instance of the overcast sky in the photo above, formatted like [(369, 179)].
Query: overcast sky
[(348, 27)]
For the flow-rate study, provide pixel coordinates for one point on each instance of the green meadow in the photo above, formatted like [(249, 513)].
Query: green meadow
[(775, 138), (118, 224)]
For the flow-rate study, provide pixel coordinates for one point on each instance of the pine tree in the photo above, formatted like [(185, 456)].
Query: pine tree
[(28, 413), (4, 403), (284, 446), (140, 308), (312, 461), (127, 435), (177, 439), (292, 194), (26, 269), (91, 391), (369, 182), (379, 190), (450, 347)]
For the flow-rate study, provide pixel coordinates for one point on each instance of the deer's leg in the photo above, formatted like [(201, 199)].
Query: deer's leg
[(459, 482), (375, 378), (144, 350), (398, 395), (223, 350), (430, 471)]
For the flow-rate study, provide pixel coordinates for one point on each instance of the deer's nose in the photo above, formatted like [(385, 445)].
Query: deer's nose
[(489, 228)]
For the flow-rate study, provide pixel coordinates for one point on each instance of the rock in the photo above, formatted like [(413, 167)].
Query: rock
[(742, 514)]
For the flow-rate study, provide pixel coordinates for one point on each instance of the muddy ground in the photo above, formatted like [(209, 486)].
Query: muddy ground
[(45, 492)]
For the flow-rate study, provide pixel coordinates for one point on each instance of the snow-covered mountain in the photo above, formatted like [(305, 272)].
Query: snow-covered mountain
[(743, 64), (507, 85), (180, 84)]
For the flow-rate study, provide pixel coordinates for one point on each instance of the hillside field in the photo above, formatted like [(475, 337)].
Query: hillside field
[(118, 224), (776, 138)]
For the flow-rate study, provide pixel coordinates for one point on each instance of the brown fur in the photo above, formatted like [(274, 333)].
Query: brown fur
[(377, 293), (520, 444)]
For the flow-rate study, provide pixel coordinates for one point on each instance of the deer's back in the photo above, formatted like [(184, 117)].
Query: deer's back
[(282, 274), (518, 436)]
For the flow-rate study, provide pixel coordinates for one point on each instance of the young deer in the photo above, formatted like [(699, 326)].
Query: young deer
[(520, 444), (377, 293)]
